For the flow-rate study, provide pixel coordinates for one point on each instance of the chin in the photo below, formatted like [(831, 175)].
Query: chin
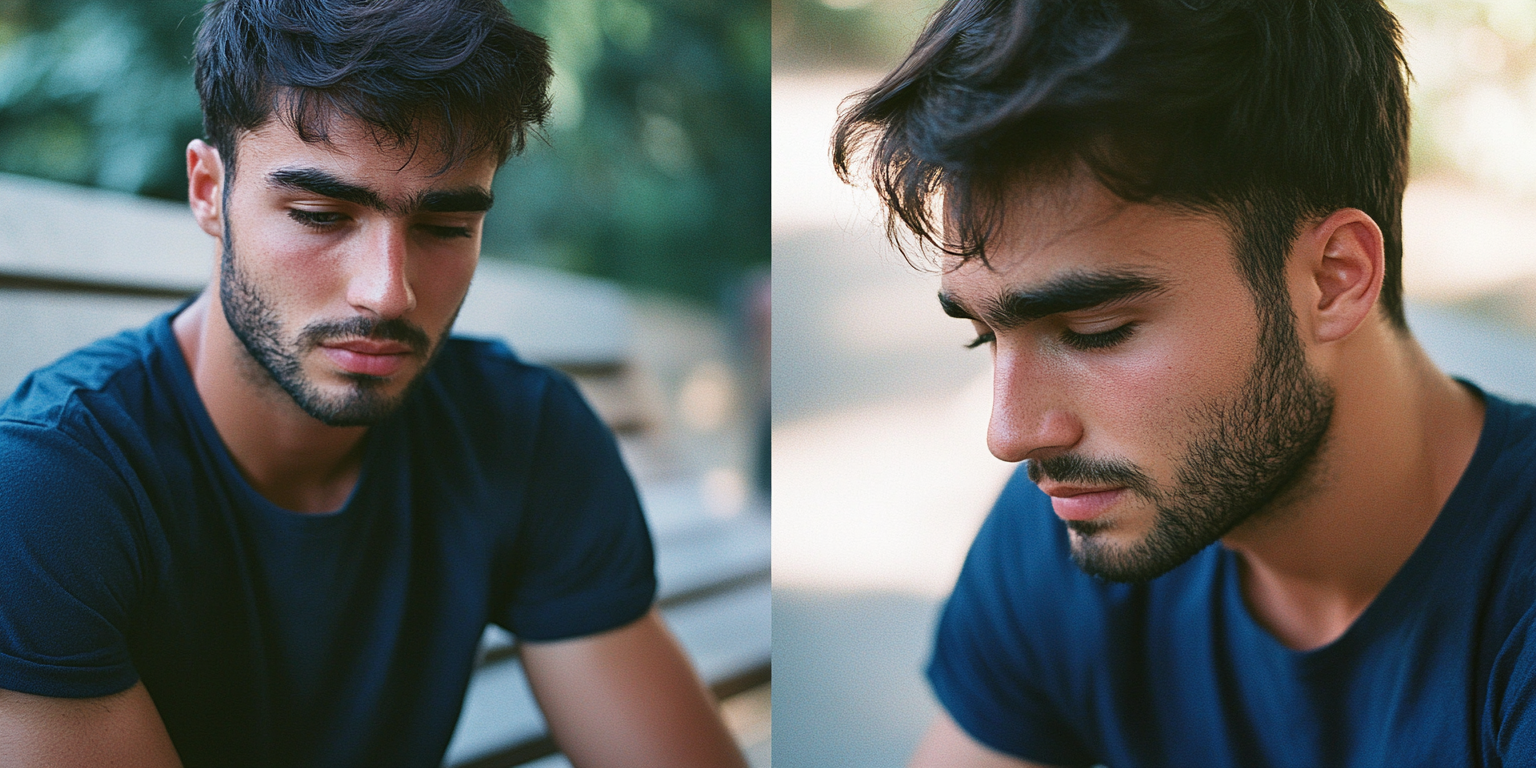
[(1114, 555), (355, 401)]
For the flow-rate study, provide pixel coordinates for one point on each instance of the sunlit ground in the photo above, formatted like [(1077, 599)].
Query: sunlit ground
[(879, 469)]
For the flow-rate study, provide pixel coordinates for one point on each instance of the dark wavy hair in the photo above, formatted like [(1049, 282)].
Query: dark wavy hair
[(1267, 112), (459, 71)]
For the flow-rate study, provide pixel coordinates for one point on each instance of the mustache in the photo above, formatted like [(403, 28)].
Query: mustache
[(1071, 468), (395, 329)]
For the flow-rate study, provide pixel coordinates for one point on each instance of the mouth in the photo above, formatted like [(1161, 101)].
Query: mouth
[(1078, 503), (368, 357)]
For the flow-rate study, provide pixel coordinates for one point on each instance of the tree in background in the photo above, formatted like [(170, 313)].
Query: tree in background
[(656, 170), (653, 170)]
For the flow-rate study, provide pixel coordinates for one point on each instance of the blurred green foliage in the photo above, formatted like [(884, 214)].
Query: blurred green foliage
[(656, 172), (98, 93), (653, 169)]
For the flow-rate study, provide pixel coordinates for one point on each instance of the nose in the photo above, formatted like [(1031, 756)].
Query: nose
[(381, 279), (1031, 418)]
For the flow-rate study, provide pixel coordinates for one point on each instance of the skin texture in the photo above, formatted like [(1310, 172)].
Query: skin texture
[(1399, 435), (300, 270), (118, 731), (945, 745), (369, 265), (1245, 452), (652, 709)]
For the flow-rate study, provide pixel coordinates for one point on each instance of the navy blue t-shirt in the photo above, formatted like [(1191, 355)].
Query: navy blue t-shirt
[(1036, 659), (131, 548)]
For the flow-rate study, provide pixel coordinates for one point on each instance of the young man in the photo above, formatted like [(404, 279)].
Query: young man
[(1175, 226), (269, 528)]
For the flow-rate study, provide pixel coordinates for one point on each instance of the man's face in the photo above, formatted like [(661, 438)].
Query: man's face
[(345, 263), (1132, 369)]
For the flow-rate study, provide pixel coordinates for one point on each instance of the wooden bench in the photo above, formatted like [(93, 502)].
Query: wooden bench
[(78, 264)]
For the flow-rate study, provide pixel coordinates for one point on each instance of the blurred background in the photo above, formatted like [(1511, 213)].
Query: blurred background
[(879, 467), (654, 172), (629, 246)]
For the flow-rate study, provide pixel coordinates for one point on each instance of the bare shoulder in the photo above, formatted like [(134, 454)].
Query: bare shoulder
[(123, 729), (946, 745)]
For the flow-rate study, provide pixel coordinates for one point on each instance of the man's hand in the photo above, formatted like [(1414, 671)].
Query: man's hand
[(628, 698), (947, 746), (118, 731)]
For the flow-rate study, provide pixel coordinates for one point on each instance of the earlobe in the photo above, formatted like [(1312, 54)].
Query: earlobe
[(1348, 270), (205, 186)]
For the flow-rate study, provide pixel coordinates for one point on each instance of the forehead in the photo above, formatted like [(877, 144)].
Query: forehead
[(354, 153), (1076, 225)]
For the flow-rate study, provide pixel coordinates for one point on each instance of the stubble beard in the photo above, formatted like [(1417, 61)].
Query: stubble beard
[(1252, 451), (255, 322)]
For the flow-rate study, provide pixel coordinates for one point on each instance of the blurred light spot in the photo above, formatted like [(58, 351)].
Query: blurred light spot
[(1491, 139), (1514, 19), (127, 163), (724, 491), (1482, 50), (575, 36), (666, 144), (628, 24), (845, 5), (707, 396), (567, 104)]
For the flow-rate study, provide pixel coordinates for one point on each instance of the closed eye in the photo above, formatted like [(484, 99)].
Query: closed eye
[(446, 233), (1104, 340), (985, 338), (315, 219)]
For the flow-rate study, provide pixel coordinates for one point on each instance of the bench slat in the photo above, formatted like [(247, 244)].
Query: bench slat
[(726, 636)]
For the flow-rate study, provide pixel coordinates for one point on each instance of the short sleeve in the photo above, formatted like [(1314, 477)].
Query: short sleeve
[(583, 561), (69, 567), (993, 653), (1511, 705)]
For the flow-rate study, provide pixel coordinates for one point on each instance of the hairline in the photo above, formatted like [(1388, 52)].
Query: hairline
[(275, 116)]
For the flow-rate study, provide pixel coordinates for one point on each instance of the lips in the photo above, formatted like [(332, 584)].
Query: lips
[(1078, 503), (368, 357)]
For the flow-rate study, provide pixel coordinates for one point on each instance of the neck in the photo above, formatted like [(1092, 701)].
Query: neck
[(1402, 434), (289, 457)]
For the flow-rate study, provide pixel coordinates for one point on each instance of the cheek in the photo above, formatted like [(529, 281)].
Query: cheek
[(1147, 400), (288, 268), (440, 282)]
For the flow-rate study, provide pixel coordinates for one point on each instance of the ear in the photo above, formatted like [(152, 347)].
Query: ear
[(1345, 264), (205, 186)]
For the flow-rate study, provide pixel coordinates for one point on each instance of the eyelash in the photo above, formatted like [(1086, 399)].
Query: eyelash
[(1080, 341), (1089, 341), (446, 233), (321, 220), (324, 220)]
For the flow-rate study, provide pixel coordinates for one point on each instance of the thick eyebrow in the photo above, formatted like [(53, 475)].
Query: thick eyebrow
[(462, 200), (322, 183), (1072, 292), (314, 180)]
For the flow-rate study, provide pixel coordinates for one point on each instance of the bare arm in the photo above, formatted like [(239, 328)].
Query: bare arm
[(629, 698), (947, 746), (118, 731)]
